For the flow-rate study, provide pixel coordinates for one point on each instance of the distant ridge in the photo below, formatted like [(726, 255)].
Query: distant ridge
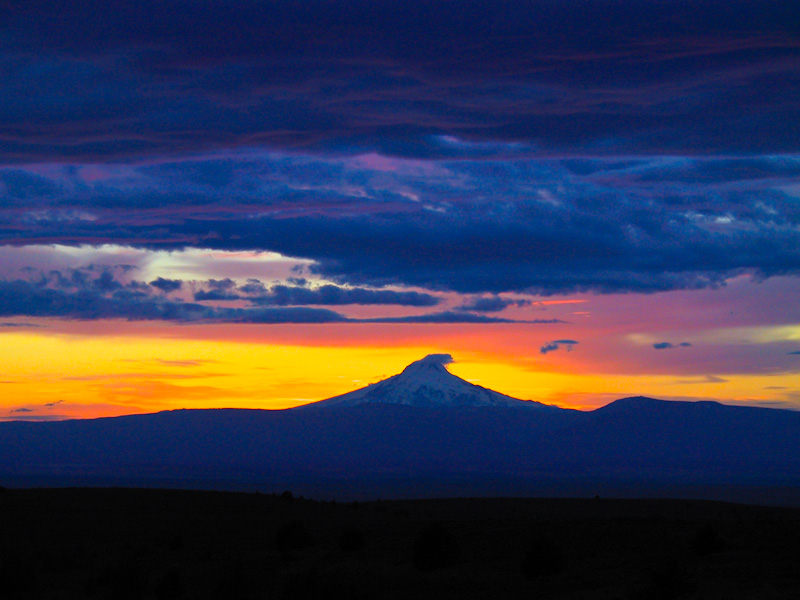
[(427, 383), (422, 432)]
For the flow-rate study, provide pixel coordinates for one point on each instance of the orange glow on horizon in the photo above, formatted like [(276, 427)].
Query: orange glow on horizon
[(125, 368)]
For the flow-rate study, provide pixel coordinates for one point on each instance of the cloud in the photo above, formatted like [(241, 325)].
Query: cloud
[(668, 345), (181, 363), (237, 75), (480, 228), (795, 352), (706, 379), (215, 295), (438, 359), (282, 295), (441, 164), (257, 294), (59, 296), (24, 298), (22, 410), (77, 294), (167, 285), (442, 317), (556, 345), (492, 304)]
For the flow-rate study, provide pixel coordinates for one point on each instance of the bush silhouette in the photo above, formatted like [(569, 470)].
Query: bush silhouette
[(435, 548), (542, 557)]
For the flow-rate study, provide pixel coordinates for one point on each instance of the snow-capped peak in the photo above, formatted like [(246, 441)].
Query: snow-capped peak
[(427, 383)]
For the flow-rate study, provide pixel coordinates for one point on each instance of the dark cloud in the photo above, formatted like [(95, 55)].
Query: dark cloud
[(528, 225), (174, 76), (556, 345), (668, 345), (797, 352), (24, 298), (472, 146), (254, 287), (706, 379), (278, 315), (257, 294), (437, 359), (21, 410), (492, 304), (215, 295), (443, 317), (283, 295), (135, 301), (458, 317), (221, 284), (167, 285)]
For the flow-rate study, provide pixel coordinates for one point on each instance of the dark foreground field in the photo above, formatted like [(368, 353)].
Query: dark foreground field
[(134, 543)]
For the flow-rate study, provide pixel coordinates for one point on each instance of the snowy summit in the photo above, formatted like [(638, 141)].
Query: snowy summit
[(427, 383)]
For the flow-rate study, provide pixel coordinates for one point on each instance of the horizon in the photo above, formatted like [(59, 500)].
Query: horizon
[(263, 205), (440, 359)]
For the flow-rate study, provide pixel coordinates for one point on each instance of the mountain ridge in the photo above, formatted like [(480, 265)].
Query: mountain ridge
[(458, 439)]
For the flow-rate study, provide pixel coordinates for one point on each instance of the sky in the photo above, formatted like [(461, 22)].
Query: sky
[(219, 203)]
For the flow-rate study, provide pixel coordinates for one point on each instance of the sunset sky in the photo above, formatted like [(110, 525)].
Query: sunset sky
[(254, 203)]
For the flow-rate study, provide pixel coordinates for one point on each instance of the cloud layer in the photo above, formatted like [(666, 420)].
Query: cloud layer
[(474, 225), (110, 292), (122, 79), (473, 146)]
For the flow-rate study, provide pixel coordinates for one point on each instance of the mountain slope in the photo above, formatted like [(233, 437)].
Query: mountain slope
[(427, 383), (657, 435), (422, 423)]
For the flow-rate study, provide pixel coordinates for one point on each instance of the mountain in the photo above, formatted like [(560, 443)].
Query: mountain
[(419, 433), (427, 383)]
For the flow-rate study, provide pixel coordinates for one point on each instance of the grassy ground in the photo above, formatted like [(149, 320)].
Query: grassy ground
[(135, 543)]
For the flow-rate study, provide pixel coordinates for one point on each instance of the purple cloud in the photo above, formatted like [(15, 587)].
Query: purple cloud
[(556, 345), (668, 345)]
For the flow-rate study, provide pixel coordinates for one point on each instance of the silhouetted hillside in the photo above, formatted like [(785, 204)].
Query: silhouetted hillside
[(126, 543), (425, 432)]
